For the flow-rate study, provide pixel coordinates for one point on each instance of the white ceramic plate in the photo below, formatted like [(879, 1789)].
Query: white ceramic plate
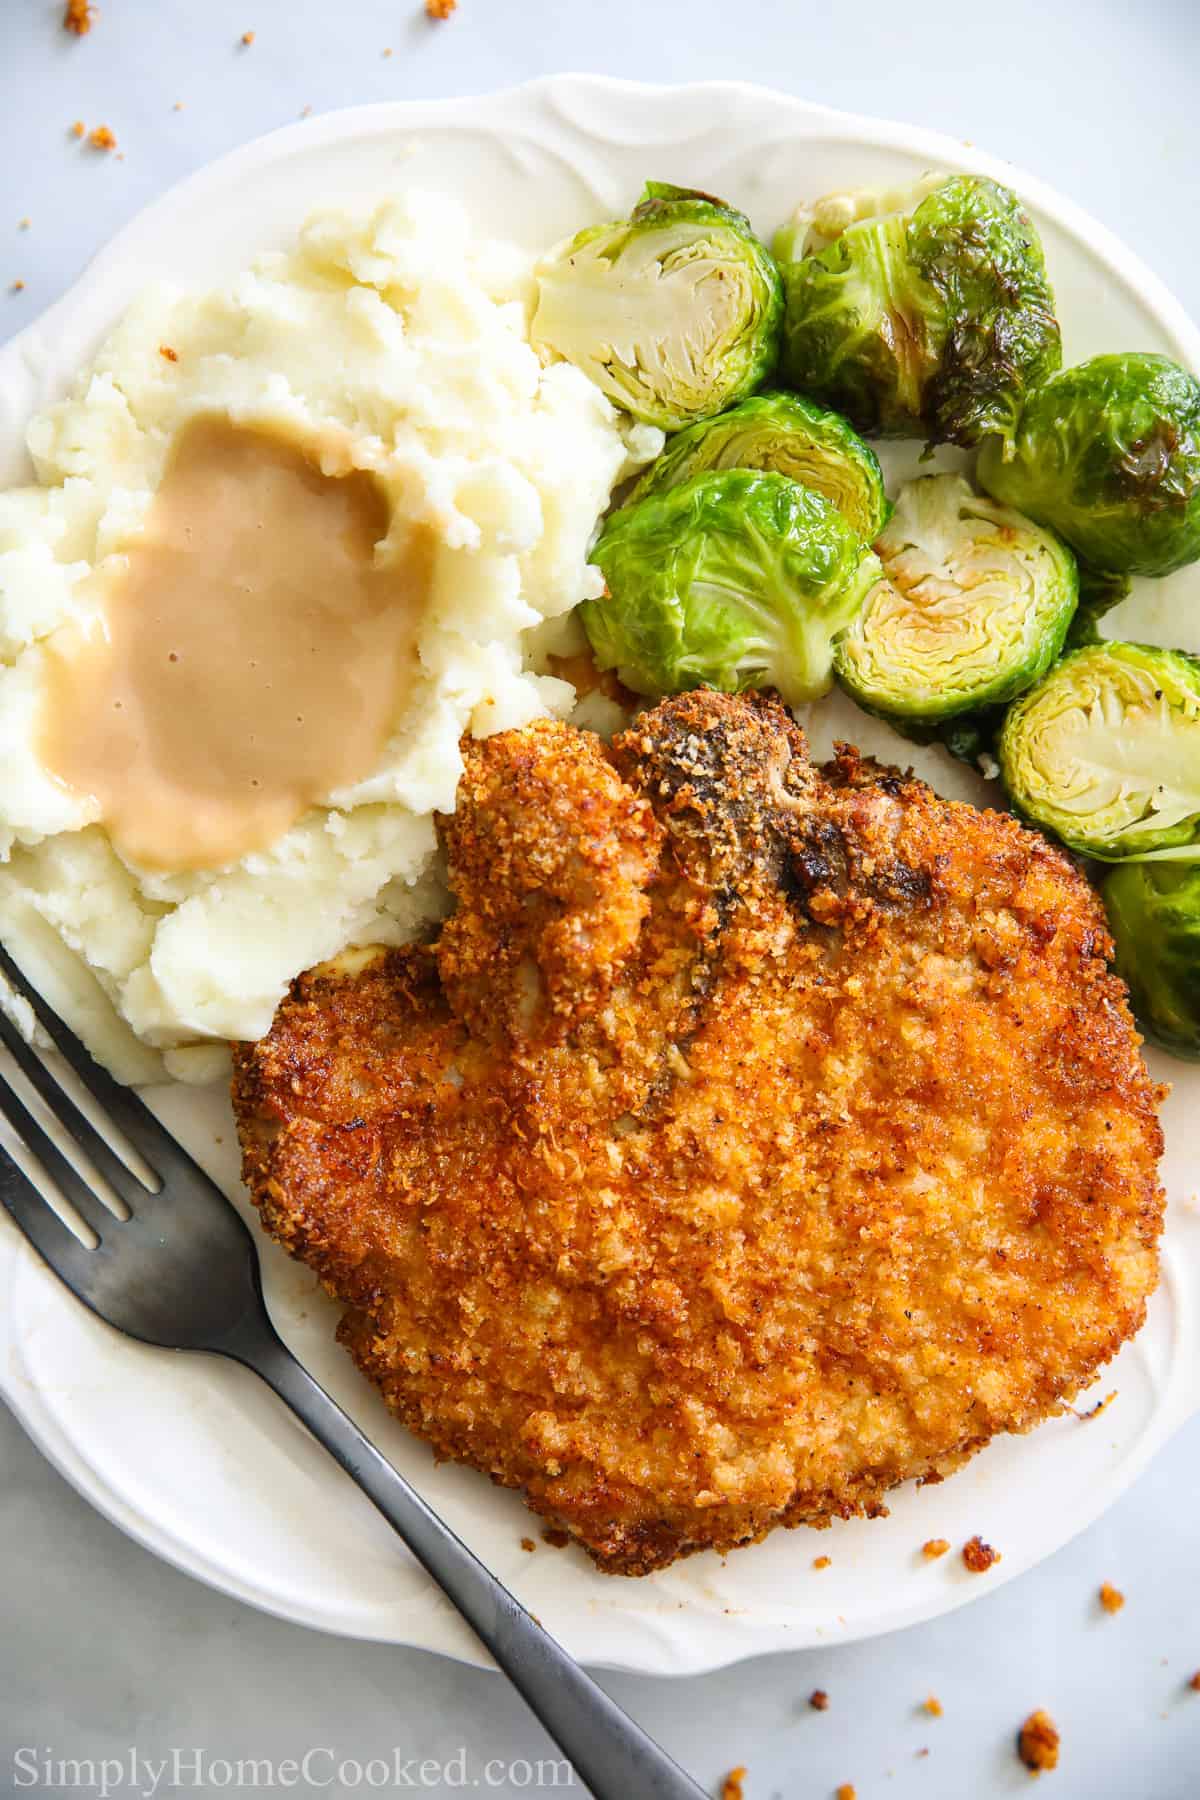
[(192, 1456)]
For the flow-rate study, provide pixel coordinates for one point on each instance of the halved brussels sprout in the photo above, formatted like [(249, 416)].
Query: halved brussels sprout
[(791, 435), (674, 312), (1108, 453), (1105, 752), (919, 313), (972, 609), (1154, 916), (735, 579)]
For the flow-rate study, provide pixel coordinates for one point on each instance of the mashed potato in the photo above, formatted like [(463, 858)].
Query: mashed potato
[(394, 343)]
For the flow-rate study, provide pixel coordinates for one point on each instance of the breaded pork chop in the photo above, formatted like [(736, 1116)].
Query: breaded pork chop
[(755, 1137)]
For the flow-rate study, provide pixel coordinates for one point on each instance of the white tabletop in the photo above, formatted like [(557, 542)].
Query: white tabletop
[(104, 1649)]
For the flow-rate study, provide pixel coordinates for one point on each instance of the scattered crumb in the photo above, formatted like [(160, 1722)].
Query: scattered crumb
[(23, 224), (102, 138), (923, 1751), (528, 1544), (935, 1547), (1194, 1683), (1111, 1598), (79, 17), (305, 112), (1037, 1742), (731, 1787), (978, 1556), (18, 286), (440, 9), (822, 1562), (247, 39), (933, 1706), (819, 1700), (78, 128), (178, 106), (846, 1792), (166, 351), (1093, 1412), (387, 52), (559, 1539)]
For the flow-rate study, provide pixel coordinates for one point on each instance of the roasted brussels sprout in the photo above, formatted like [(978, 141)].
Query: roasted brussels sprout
[(1105, 752), (1154, 915), (972, 609), (735, 579), (1108, 453), (674, 312), (785, 432), (1098, 594), (926, 313)]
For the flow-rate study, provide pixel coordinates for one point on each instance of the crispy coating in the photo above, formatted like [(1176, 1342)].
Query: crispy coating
[(754, 1138)]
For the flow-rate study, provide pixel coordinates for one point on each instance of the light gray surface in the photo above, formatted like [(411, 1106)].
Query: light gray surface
[(103, 1648)]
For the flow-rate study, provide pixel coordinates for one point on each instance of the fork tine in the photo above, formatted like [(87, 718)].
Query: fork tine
[(56, 1165), (54, 1242), (121, 1104), (83, 1133)]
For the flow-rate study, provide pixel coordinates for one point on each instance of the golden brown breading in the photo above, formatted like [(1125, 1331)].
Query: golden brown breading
[(756, 1137)]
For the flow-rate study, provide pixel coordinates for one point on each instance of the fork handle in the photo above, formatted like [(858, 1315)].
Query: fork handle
[(612, 1754)]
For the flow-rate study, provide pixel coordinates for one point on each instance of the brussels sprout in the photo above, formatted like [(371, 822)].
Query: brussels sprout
[(1108, 453), (926, 313), (787, 433), (735, 579), (674, 312), (973, 607), (1105, 752), (1098, 594), (1154, 915)]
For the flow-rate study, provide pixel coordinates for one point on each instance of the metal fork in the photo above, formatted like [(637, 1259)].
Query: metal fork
[(182, 1272)]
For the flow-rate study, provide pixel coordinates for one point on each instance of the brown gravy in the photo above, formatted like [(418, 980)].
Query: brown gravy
[(249, 657)]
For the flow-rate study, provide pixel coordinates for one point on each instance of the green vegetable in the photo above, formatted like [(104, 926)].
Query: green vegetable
[(1154, 915), (973, 608), (674, 312), (735, 579), (926, 313), (1108, 453), (787, 433), (1105, 752), (1098, 594)]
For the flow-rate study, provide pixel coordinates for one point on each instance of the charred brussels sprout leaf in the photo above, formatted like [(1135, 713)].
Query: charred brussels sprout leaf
[(791, 435), (1108, 453), (972, 609), (1105, 752), (674, 312), (1154, 915), (920, 314), (735, 579)]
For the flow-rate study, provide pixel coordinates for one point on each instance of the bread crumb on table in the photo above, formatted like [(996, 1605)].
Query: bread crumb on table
[(78, 128), (170, 355), (528, 1544), (102, 138), (247, 39), (1194, 1683), (18, 286), (822, 1562), (846, 1792), (935, 1547), (79, 16), (819, 1700), (440, 9), (933, 1706), (1037, 1742), (978, 1556), (731, 1787), (1111, 1598), (23, 224)]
